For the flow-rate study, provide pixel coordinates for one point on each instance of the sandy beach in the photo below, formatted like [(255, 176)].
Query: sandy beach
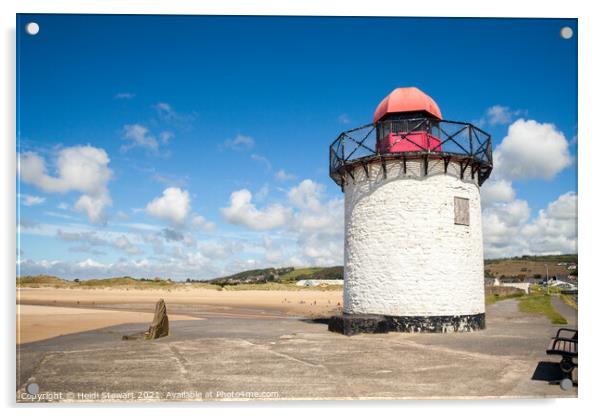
[(44, 313), (35, 323)]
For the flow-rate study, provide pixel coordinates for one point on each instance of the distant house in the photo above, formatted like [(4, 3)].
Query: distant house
[(491, 281), (317, 282)]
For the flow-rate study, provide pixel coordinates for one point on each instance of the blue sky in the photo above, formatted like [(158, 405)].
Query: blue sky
[(218, 110)]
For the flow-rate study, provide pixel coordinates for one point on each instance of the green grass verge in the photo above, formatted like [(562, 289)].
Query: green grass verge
[(541, 304)]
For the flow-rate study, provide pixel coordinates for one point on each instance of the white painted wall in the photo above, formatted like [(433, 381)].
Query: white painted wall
[(404, 256), (522, 286)]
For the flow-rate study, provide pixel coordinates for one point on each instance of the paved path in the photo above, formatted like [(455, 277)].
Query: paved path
[(225, 358), (565, 310)]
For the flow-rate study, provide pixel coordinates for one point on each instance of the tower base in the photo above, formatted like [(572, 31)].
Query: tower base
[(351, 324)]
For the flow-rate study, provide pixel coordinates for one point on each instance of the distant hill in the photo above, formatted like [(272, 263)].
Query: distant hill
[(252, 276), (125, 281), (515, 267), (286, 275), (532, 266), (318, 273), (282, 275)]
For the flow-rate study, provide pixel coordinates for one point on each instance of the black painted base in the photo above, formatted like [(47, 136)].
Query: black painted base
[(348, 324)]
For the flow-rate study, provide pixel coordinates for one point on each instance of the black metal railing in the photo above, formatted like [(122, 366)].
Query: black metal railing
[(411, 139)]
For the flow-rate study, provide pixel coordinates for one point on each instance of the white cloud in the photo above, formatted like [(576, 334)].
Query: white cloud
[(243, 212), (262, 193), (165, 110), (240, 142), (308, 230), (93, 206), (26, 223), (139, 136), (88, 237), (531, 150), (344, 118), (196, 260), (306, 195), (173, 206), (79, 168), (199, 222), (328, 219), (156, 241), (121, 216), (508, 230), (167, 113), (123, 243), (223, 249), (311, 228), (284, 176), (194, 265), (499, 114), (30, 200), (496, 190), (124, 96), (263, 160), (166, 136), (172, 235), (90, 264), (171, 180), (317, 225), (163, 107), (555, 228), (273, 252)]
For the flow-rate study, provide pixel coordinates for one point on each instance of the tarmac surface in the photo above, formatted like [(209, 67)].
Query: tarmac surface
[(252, 354)]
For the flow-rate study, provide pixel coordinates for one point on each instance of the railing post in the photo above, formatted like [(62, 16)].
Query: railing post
[(428, 136), (470, 140)]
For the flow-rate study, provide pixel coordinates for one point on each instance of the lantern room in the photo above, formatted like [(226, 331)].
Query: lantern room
[(405, 120)]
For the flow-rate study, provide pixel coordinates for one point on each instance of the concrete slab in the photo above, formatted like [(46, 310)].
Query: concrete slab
[(281, 357)]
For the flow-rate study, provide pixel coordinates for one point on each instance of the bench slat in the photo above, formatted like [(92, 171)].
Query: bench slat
[(563, 346)]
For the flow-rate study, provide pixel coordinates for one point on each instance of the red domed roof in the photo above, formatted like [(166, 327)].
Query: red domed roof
[(402, 100)]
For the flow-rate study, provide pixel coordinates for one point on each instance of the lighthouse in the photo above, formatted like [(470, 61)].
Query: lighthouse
[(413, 233)]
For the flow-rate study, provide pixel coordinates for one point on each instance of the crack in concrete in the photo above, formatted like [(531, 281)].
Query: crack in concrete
[(467, 354), (283, 355), (182, 362), (332, 374), (35, 369)]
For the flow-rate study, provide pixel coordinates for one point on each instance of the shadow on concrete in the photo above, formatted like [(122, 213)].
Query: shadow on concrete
[(322, 320), (548, 371)]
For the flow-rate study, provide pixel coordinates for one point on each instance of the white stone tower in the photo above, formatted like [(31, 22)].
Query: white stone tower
[(413, 240)]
